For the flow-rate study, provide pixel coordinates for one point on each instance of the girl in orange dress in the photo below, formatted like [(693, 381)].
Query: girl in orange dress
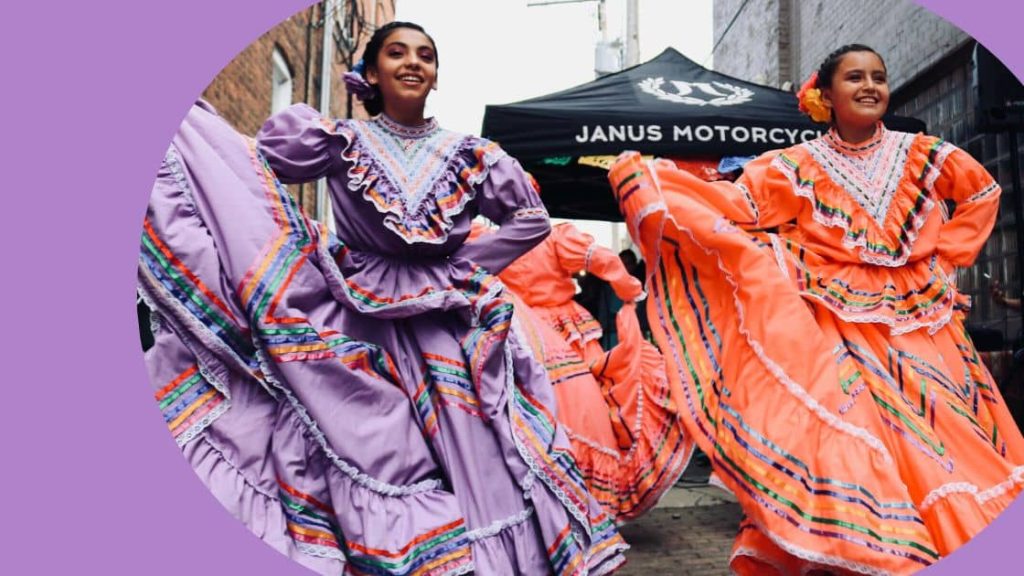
[(618, 406), (824, 363)]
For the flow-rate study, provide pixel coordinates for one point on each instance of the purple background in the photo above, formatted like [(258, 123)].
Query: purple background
[(91, 93)]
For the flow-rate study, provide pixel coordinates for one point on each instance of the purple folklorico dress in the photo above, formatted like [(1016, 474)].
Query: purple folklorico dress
[(362, 402)]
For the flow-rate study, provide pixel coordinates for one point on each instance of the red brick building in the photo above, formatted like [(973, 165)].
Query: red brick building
[(287, 65)]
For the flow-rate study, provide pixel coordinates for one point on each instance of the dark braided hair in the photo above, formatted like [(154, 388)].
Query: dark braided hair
[(375, 104), (831, 63)]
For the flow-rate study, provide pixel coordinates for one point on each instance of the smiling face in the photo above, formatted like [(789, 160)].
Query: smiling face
[(858, 94), (405, 72)]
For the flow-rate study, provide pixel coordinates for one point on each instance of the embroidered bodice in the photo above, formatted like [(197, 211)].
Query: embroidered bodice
[(864, 229), (408, 192), (418, 176), (869, 172), (403, 200), (878, 196)]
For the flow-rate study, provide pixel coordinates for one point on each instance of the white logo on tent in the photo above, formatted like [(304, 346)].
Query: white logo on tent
[(721, 94)]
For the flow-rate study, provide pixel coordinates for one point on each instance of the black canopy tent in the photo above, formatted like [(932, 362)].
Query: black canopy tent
[(669, 106)]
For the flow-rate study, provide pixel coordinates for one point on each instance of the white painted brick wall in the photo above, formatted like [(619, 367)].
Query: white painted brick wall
[(750, 49), (909, 37)]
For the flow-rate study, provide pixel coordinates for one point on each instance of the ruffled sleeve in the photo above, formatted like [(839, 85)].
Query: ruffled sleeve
[(508, 196), (976, 194), (300, 145), (578, 251)]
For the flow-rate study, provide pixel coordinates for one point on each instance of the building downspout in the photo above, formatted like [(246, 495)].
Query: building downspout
[(310, 25), (323, 203), (308, 81)]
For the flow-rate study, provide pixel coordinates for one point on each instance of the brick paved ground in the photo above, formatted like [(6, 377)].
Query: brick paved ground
[(690, 533), (693, 541)]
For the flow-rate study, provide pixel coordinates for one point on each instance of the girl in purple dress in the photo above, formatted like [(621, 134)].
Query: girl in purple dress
[(363, 402)]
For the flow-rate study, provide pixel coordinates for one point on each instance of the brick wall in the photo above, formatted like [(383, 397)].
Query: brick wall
[(373, 13), (777, 40), (750, 48), (910, 38), (241, 92)]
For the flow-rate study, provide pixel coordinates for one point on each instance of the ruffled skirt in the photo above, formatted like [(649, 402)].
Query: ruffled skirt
[(852, 447), (355, 430), (618, 407)]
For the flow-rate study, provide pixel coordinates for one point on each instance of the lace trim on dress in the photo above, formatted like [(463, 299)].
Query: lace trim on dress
[(646, 211), (534, 212), (172, 162), (856, 239), (819, 558), (933, 326), (795, 389), (897, 325), (320, 551), (515, 330), (196, 429), (980, 496), (221, 406), (589, 255), (780, 256), (636, 432), (614, 454), (499, 525), (944, 150), (344, 291), (798, 391), (152, 292), (984, 192), (750, 201), (751, 553), (610, 567), (351, 471), (173, 311), (792, 387), (419, 191), (834, 140), (428, 127), (871, 180)]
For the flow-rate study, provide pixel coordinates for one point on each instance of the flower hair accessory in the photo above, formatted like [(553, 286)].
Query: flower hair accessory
[(811, 102), (356, 83)]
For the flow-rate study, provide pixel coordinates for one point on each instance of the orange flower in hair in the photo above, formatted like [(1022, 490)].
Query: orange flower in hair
[(811, 102)]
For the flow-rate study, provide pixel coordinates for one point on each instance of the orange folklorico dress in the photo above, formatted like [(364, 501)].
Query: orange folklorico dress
[(618, 406), (825, 366)]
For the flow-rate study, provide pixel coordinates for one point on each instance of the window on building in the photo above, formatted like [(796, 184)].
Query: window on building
[(281, 91), (281, 98)]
